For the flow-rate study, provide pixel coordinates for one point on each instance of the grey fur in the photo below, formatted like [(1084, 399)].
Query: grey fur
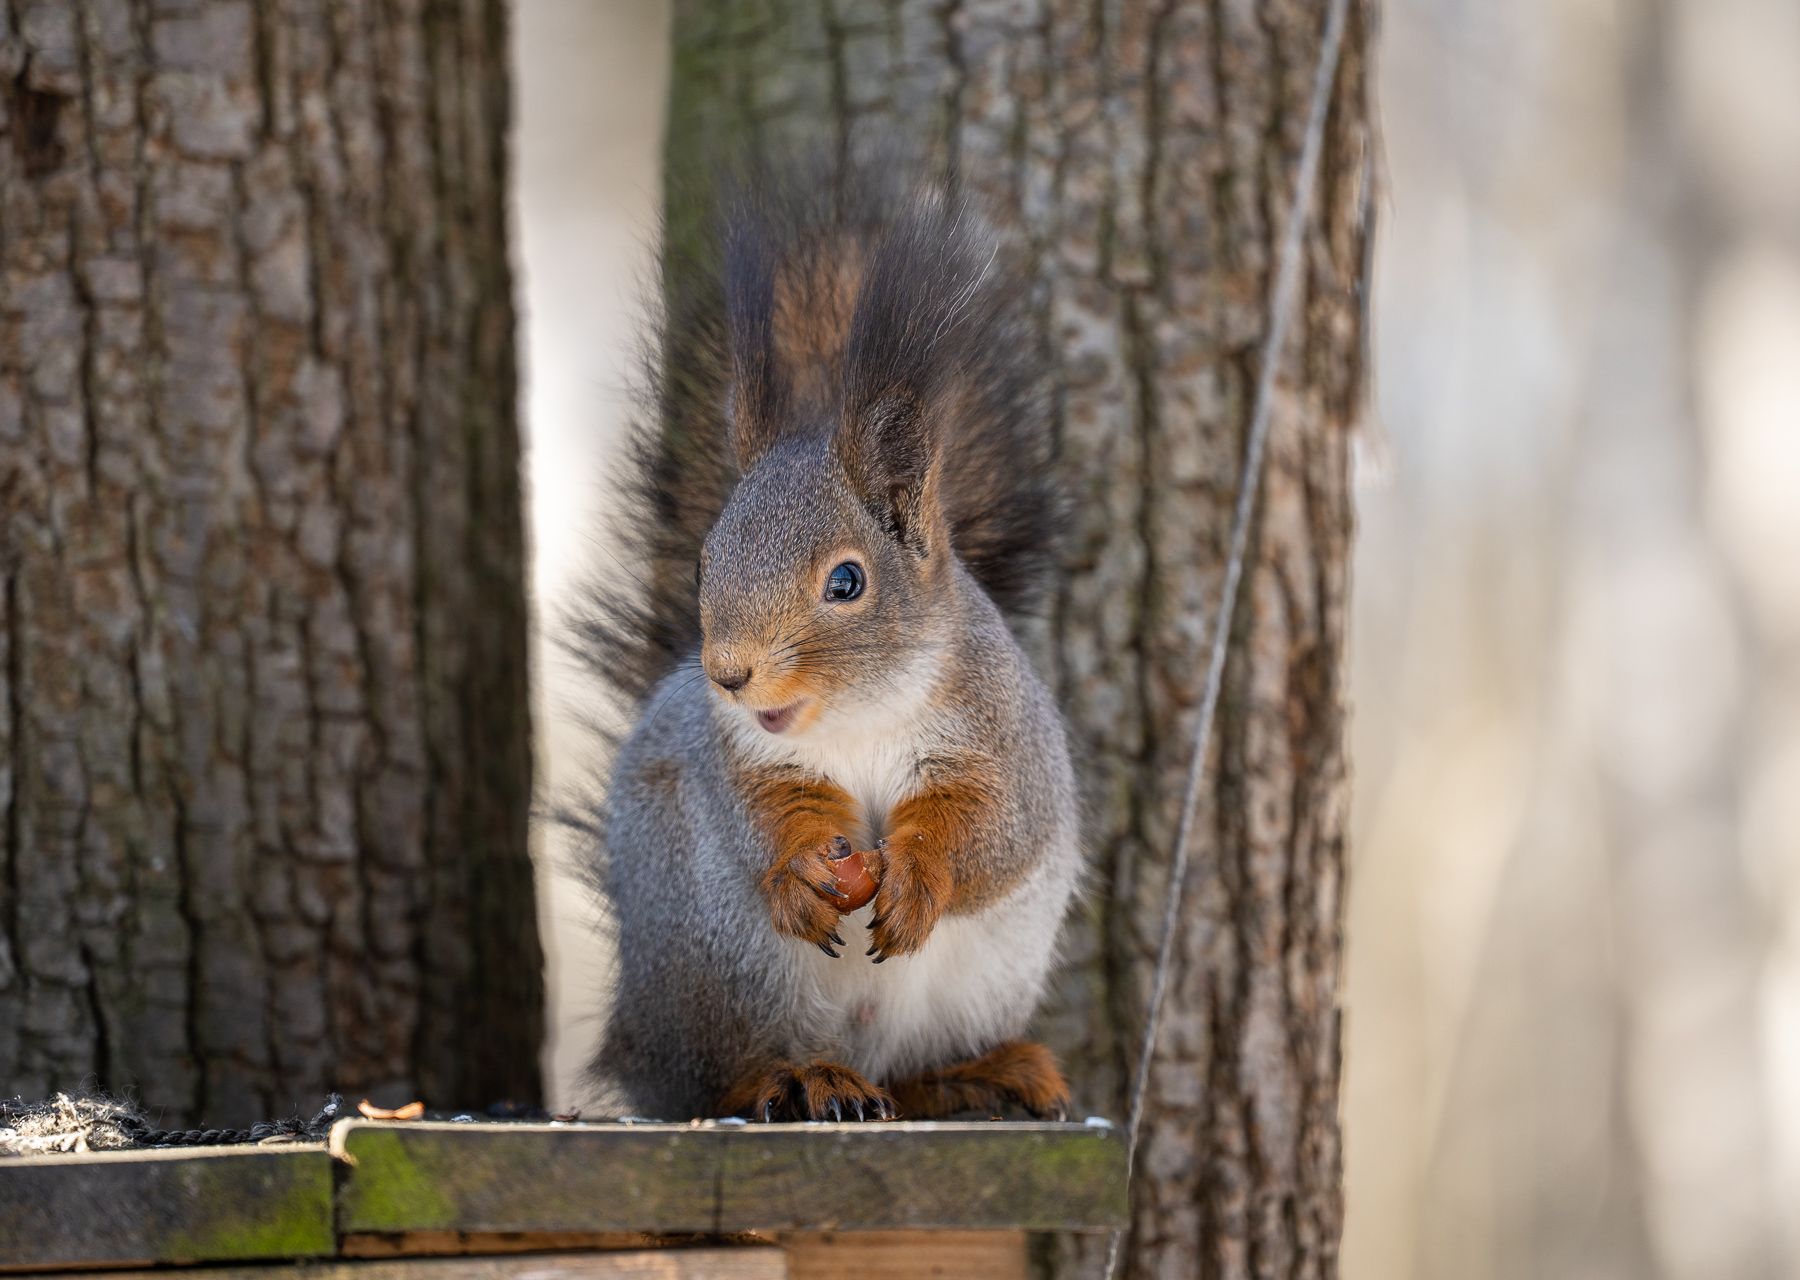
[(917, 446), (706, 986)]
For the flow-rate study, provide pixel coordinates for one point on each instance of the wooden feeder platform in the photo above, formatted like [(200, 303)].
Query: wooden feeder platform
[(576, 1201)]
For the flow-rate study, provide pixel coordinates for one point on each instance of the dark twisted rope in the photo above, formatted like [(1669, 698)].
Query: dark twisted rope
[(102, 1112), (294, 1129)]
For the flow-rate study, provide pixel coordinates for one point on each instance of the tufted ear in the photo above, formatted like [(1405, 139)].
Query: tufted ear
[(908, 362), (890, 456), (758, 401)]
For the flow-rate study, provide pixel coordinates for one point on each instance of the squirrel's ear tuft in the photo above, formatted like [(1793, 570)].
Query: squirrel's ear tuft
[(890, 458), (908, 353), (758, 391)]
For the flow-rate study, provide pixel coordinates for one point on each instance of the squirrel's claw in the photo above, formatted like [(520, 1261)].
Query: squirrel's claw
[(811, 1091), (875, 948), (828, 886), (910, 901), (803, 900)]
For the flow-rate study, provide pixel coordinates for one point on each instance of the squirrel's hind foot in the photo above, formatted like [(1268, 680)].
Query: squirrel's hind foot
[(810, 1091), (1018, 1073)]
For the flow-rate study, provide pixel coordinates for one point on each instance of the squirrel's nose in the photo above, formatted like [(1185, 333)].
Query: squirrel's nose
[(731, 679)]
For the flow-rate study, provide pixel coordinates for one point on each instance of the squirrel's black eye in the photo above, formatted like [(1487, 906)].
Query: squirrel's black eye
[(845, 582)]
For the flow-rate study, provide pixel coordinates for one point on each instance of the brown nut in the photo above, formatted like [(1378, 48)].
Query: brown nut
[(855, 879)]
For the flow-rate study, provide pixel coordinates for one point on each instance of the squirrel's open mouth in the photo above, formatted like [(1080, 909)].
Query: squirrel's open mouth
[(778, 720)]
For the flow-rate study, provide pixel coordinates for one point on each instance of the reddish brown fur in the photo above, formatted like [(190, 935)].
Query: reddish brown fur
[(927, 864), (816, 1090), (800, 817), (1017, 1073), (813, 304), (927, 861)]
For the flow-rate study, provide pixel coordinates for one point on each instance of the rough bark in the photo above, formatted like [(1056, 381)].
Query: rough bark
[(264, 767), (1140, 158)]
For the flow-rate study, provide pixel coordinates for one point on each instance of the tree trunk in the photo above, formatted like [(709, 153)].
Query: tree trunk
[(264, 767), (1140, 159)]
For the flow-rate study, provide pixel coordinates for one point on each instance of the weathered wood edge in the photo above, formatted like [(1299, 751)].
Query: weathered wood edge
[(226, 1204), (722, 1178), (237, 1204)]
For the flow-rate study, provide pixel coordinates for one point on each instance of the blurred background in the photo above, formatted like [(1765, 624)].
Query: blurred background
[(1573, 1035)]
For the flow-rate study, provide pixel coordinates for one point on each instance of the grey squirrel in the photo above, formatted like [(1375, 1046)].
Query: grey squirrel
[(843, 496)]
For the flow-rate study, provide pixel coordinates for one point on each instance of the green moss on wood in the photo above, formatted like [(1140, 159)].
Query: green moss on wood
[(165, 1206), (419, 1177), (387, 1185), (285, 1217)]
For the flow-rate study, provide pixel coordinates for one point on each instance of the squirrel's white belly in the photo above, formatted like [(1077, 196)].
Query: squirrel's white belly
[(973, 984), (978, 977)]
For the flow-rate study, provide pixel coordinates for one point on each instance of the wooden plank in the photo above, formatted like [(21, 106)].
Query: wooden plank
[(412, 1244), (723, 1178), (648, 1264), (906, 1255), (224, 1204)]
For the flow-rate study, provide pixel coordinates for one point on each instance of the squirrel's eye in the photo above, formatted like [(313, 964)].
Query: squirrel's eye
[(845, 582)]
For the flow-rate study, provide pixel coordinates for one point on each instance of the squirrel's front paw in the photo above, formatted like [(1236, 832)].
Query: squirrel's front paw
[(800, 888), (915, 888)]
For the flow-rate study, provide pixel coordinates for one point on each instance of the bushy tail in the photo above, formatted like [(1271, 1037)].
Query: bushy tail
[(925, 282)]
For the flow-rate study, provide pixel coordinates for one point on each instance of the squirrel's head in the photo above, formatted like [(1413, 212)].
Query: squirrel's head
[(821, 581), (850, 358)]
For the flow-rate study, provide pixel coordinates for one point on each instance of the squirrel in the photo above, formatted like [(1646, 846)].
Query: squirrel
[(844, 501)]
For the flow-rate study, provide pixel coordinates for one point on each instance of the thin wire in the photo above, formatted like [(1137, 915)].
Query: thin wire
[(1281, 306)]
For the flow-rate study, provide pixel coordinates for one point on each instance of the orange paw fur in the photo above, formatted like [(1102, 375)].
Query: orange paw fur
[(916, 884), (810, 1091), (804, 820), (801, 889), (1018, 1073)]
